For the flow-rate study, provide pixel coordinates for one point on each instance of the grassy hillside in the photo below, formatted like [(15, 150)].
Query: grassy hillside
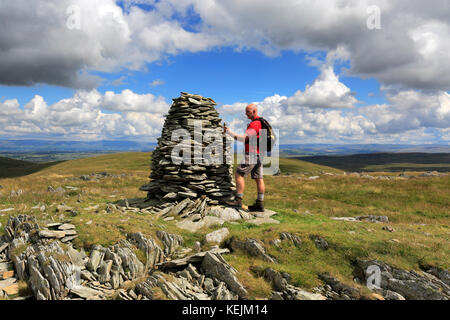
[(15, 168), (417, 208)]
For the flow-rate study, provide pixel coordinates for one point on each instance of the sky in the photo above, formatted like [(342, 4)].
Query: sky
[(335, 71)]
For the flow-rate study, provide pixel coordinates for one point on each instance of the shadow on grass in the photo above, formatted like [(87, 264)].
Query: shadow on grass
[(11, 168), (411, 161)]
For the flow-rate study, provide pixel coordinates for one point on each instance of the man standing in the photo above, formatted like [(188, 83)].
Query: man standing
[(252, 162)]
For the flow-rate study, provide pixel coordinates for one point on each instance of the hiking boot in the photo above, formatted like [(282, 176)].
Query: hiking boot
[(257, 207), (236, 203)]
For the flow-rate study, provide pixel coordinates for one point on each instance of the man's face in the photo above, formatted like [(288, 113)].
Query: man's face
[(249, 112)]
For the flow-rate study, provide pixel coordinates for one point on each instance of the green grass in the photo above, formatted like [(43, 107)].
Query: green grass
[(298, 166), (418, 210)]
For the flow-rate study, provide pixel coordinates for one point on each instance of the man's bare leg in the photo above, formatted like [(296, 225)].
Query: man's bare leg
[(260, 185), (240, 183), (240, 186)]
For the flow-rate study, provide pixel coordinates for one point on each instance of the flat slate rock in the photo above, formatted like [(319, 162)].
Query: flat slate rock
[(69, 238), (66, 226), (54, 224), (52, 234), (6, 283), (190, 259), (192, 226), (263, 214), (260, 221), (6, 266)]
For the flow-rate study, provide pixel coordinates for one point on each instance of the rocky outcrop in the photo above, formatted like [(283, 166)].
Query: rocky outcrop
[(54, 270), (215, 266), (295, 239), (396, 283), (252, 246), (320, 242), (171, 241), (282, 289), (369, 218), (336, 290), (217, 236)]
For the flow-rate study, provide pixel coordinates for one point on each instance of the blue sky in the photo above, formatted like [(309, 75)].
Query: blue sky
[(317, 72), (224, 74)]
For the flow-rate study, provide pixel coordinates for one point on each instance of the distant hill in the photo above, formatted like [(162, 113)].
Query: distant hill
[(393, 162), (122, 162), (300, 150), (10, 168), (17, 146), (286, 150)]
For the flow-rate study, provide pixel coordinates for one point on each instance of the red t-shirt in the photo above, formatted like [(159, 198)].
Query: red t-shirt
[(253, 129)]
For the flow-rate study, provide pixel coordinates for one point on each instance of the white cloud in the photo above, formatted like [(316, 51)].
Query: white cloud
[(410, 110), (157, 82), (38, 47), (8, 108), (411, 50), (130, 101), (87, 115), (326, 92), (406, 117)]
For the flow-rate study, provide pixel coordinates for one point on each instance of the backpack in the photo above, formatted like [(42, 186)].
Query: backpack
[(271, 137)]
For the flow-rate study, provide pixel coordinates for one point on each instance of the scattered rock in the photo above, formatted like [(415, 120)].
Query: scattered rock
[(66, 226), (251, 246), (387, 228), (225, 213), (52, 234), (171, 241), (217, 236), (408, 284), (12, 289), (198, 257), (215, 266), (296, 240), (282, 289), (320, 242), (336, 290), (372, 218), (197, 246)]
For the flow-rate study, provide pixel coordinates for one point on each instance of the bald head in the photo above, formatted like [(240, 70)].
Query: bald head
[(251, 111)]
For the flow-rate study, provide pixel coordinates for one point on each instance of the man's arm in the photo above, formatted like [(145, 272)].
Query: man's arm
[(235, 136)]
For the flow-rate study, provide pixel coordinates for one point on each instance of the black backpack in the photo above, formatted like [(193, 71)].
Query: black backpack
[(271, 137)]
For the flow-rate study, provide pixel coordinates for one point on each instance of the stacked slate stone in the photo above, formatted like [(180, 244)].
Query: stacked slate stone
[(200, 179)]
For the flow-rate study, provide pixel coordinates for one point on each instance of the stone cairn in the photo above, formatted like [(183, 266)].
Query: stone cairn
[(206, 182)]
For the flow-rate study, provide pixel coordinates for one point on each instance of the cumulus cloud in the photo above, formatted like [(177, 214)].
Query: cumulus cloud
[(86, 115), (326, 92), (38, 43), (9, 107), (410, 50), (130, 101), (408, 115), (409, 54), (410, 110)]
